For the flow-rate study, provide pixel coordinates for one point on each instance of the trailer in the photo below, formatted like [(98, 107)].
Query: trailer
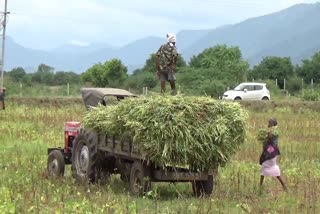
[(94, 156)]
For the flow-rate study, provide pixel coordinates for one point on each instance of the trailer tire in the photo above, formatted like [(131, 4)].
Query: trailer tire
[(203, 188), (124, 178), (55, 165), (139, 183), (84, 157)]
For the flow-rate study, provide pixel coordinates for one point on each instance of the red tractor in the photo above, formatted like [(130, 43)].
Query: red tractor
[(96, 155), (59, 157)]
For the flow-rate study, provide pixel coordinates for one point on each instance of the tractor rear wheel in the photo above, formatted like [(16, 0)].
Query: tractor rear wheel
[(56, 165), (84, 157)]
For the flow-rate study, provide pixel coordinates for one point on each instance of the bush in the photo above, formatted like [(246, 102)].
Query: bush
[(294, 85), (213, 88), (142, 79), (272, 87), (311, 96)]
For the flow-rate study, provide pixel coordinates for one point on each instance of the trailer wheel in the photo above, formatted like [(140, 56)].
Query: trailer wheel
[(56, 165), (125, 172), (124, 178), (84, 157), (203, 188), (139, 183)]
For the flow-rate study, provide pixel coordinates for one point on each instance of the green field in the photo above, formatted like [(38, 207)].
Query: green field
[(27, 131)]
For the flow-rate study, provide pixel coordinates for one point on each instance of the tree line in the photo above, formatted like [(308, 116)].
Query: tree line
[(44, 75), (211, 72)]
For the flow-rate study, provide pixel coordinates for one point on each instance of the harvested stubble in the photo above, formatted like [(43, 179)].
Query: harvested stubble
[(195, 131)]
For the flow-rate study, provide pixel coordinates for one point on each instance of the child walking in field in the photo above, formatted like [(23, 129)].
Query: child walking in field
[(268, 158)]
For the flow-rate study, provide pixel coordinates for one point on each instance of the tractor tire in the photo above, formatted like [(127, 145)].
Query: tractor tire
[(56, 165), (125, 172), (203, 188), (139, 183), (84, 157)]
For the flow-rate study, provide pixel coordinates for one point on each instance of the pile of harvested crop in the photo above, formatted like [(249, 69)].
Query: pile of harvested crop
[(195, 131), (262, 135)]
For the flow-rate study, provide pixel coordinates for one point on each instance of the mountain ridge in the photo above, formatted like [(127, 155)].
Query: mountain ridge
[(291, 32)]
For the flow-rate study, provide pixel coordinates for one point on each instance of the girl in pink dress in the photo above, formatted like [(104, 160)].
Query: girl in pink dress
[(268, 158)]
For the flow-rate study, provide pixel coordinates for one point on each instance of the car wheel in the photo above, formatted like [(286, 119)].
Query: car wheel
[(237, 98), (265, 98)]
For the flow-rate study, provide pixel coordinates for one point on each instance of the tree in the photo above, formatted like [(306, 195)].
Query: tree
[(17, 74), (63, 78), (273, 67), (199, 81), (310, 69), (146, 77), (27, 79), (150, 65), (111, 73), (116, 72), (222, 63), (142, 79), (214, 88), (44, 75), (95, 75), (294, 85)]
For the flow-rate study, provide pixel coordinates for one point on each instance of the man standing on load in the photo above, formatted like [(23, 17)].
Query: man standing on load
[(166, 59)]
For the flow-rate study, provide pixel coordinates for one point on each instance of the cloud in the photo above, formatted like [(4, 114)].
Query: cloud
[(79, 43), (50, 23)]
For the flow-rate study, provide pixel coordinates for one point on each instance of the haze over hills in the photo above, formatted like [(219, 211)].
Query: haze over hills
[(291, 32)]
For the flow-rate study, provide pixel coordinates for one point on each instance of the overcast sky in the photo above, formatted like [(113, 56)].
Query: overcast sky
[(45, 24)]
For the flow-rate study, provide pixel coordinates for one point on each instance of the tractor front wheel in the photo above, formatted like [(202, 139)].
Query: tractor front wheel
[(56, 165)]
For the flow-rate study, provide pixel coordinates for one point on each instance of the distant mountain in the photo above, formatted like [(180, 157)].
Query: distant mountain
[(17, 55), (291, 32), (78, 49), (139, 51), (186, 38)]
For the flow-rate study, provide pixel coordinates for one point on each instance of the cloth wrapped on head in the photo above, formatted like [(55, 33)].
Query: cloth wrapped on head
[(274, 121), (171, 38)]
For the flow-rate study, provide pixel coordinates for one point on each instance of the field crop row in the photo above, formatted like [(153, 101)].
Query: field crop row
[(26, 132)]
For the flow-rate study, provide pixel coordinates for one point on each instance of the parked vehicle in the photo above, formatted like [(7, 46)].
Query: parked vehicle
[(248, 91), (94, 155)]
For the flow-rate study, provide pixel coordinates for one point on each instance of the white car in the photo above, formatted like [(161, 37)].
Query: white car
[(248, 91)]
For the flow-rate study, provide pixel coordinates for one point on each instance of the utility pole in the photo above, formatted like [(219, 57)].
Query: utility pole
[(4, 23)]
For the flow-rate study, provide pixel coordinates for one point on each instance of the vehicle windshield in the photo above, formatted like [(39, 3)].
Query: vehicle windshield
[(239, 88)]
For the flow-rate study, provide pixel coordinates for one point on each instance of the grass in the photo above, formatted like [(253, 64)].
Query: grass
[(27, 131)]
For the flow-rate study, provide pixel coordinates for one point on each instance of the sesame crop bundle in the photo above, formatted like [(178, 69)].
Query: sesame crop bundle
[(196, 131)]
